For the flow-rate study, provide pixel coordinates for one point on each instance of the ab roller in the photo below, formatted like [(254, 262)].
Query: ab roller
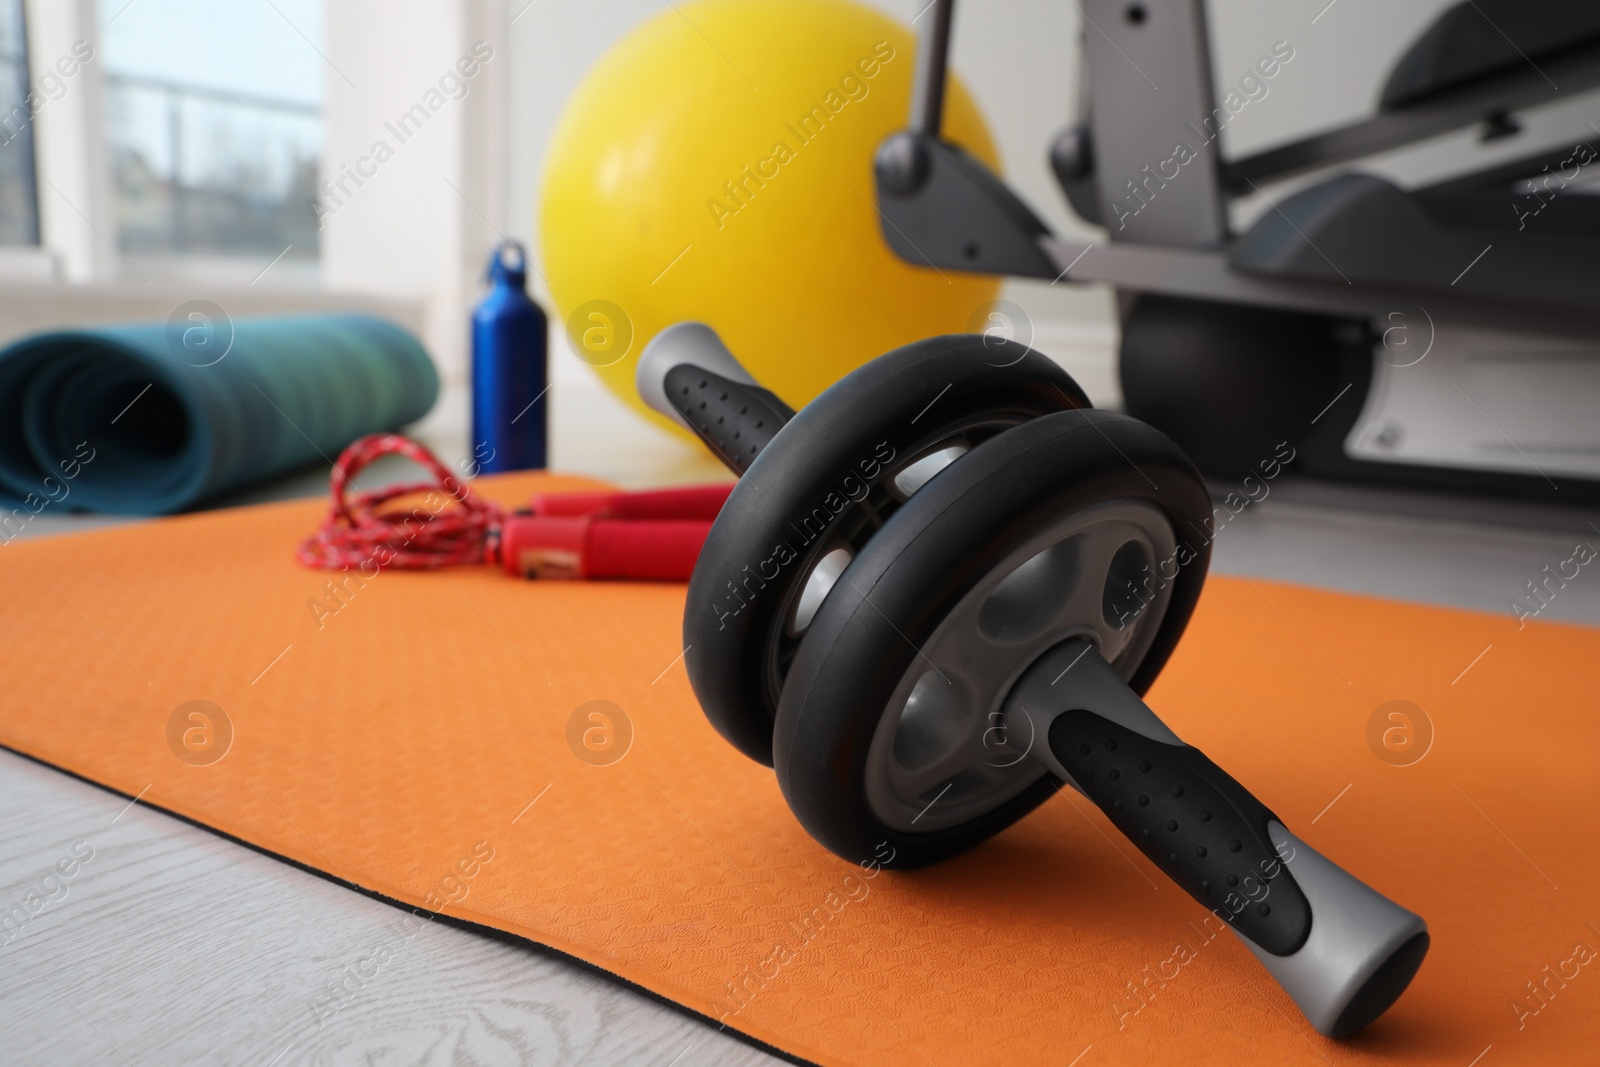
[(938, 592)]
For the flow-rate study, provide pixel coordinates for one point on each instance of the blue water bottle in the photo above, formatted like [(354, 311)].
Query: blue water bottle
[(509, 406)]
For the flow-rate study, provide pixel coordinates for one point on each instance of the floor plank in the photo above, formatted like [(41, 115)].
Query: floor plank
[(169, 945)]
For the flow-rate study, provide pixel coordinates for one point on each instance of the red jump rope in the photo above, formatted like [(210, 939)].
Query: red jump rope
[(645, 536)]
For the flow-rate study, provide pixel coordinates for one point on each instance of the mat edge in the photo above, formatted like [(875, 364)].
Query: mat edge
[(450, 920)]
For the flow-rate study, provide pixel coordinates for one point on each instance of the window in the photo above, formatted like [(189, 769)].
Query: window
[(19, 207), (214, 125)]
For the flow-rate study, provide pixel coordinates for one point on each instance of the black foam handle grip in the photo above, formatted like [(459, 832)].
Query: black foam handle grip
[(1205, 830), (736, 419)]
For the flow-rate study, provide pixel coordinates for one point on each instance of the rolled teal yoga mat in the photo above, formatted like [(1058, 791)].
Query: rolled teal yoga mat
[(156, 418)]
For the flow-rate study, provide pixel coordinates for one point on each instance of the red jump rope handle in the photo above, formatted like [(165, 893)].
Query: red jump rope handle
[(547, 546), (647, 536), (701, 502)]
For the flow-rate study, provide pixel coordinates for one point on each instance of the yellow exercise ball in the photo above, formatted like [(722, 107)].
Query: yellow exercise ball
[(716, 165)]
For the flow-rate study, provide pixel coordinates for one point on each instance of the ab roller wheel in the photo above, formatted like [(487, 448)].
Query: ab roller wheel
[(938, 593), (893, 724), (801, 512)]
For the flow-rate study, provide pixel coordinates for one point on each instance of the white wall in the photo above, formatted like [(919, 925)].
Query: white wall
[(410, 232), (421, 223)]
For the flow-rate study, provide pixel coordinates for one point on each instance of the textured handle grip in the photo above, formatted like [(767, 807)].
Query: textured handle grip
[(1341, 949), (688, 375), (1192, 820), (734, 418)]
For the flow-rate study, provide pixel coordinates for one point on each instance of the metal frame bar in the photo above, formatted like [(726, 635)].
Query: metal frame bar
[(1452, 110), (1150, 66), (1207, 275), (1193, 262), (933, 60)]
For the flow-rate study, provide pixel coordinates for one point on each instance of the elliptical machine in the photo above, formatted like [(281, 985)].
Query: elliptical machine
[(1442, 336)]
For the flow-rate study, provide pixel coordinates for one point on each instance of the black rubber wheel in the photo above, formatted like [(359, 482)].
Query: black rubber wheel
[(1230, 383), (944, 551), (825, 484)]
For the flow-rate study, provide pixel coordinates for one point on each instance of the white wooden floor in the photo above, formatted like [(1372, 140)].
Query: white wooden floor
[(172, 945)]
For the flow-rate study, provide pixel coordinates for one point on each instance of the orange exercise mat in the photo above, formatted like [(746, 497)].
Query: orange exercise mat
[(414, 735)]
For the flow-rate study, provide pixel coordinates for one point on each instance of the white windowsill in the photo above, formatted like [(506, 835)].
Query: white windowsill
[(31, 305)]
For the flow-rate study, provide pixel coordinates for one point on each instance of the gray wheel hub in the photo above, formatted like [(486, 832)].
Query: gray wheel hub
[(942, 755)]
